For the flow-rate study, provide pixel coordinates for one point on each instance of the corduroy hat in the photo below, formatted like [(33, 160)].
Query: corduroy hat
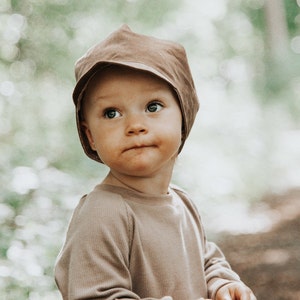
[(162, 58)]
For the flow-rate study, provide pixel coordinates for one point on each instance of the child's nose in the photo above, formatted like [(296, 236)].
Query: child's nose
[(136, 125)]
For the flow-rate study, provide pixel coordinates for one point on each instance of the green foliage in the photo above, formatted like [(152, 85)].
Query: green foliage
[(275, 77), (292, 16), (43, 171)]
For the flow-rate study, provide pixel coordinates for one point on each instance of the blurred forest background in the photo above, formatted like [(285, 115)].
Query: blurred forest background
[(245, 145)]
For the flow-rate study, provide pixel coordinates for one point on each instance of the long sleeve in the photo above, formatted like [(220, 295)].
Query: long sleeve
[(217, 270), (91, 247)]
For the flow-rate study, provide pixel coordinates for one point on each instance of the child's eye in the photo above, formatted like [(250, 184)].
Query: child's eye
[(154, 107), (111, 113)]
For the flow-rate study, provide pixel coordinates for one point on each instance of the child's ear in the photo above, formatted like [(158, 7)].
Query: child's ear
[(88, 134)]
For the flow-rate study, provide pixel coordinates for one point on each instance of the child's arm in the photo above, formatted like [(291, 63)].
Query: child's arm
[(223, 283)]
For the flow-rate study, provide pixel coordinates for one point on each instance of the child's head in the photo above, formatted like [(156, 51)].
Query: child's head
[(164, 60), (133, 121)]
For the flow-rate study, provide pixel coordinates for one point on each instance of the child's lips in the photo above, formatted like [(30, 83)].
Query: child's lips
[(138, 146)]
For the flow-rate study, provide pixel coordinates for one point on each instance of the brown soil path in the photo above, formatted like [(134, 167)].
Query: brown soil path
[(269, 262)]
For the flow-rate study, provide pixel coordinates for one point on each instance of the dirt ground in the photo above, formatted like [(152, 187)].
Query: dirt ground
[(269, 262)]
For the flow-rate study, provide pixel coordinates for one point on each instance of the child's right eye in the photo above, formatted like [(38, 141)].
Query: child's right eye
[(111, 113)]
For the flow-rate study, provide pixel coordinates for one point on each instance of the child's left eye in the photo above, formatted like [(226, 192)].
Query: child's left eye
[(154, 107)]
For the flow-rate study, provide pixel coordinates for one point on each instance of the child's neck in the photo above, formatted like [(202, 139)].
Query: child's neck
[(152, 185)]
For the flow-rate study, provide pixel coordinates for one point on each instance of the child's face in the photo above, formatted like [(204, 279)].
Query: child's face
[(133, 121)]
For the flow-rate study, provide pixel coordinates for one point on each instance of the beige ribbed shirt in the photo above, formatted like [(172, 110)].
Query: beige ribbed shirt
[(123, 244)]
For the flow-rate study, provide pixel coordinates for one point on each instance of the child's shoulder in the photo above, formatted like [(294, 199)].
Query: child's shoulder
[(99, 214), (185, 197), (99, 202)]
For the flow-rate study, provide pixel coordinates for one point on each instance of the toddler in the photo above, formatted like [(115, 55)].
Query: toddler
[(136, 236)]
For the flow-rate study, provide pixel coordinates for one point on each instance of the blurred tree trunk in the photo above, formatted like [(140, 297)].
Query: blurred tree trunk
[(276, 27)]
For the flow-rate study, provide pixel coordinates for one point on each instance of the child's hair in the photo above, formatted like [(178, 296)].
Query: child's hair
[(162, 58)]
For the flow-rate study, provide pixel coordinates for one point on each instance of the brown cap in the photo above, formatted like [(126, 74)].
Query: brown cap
[(162, 58)]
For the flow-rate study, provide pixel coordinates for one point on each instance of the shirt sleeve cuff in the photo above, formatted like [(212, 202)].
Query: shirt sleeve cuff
[(215, 285)]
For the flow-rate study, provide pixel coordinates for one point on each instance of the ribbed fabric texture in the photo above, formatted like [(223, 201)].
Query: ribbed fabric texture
[(122, 244)]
